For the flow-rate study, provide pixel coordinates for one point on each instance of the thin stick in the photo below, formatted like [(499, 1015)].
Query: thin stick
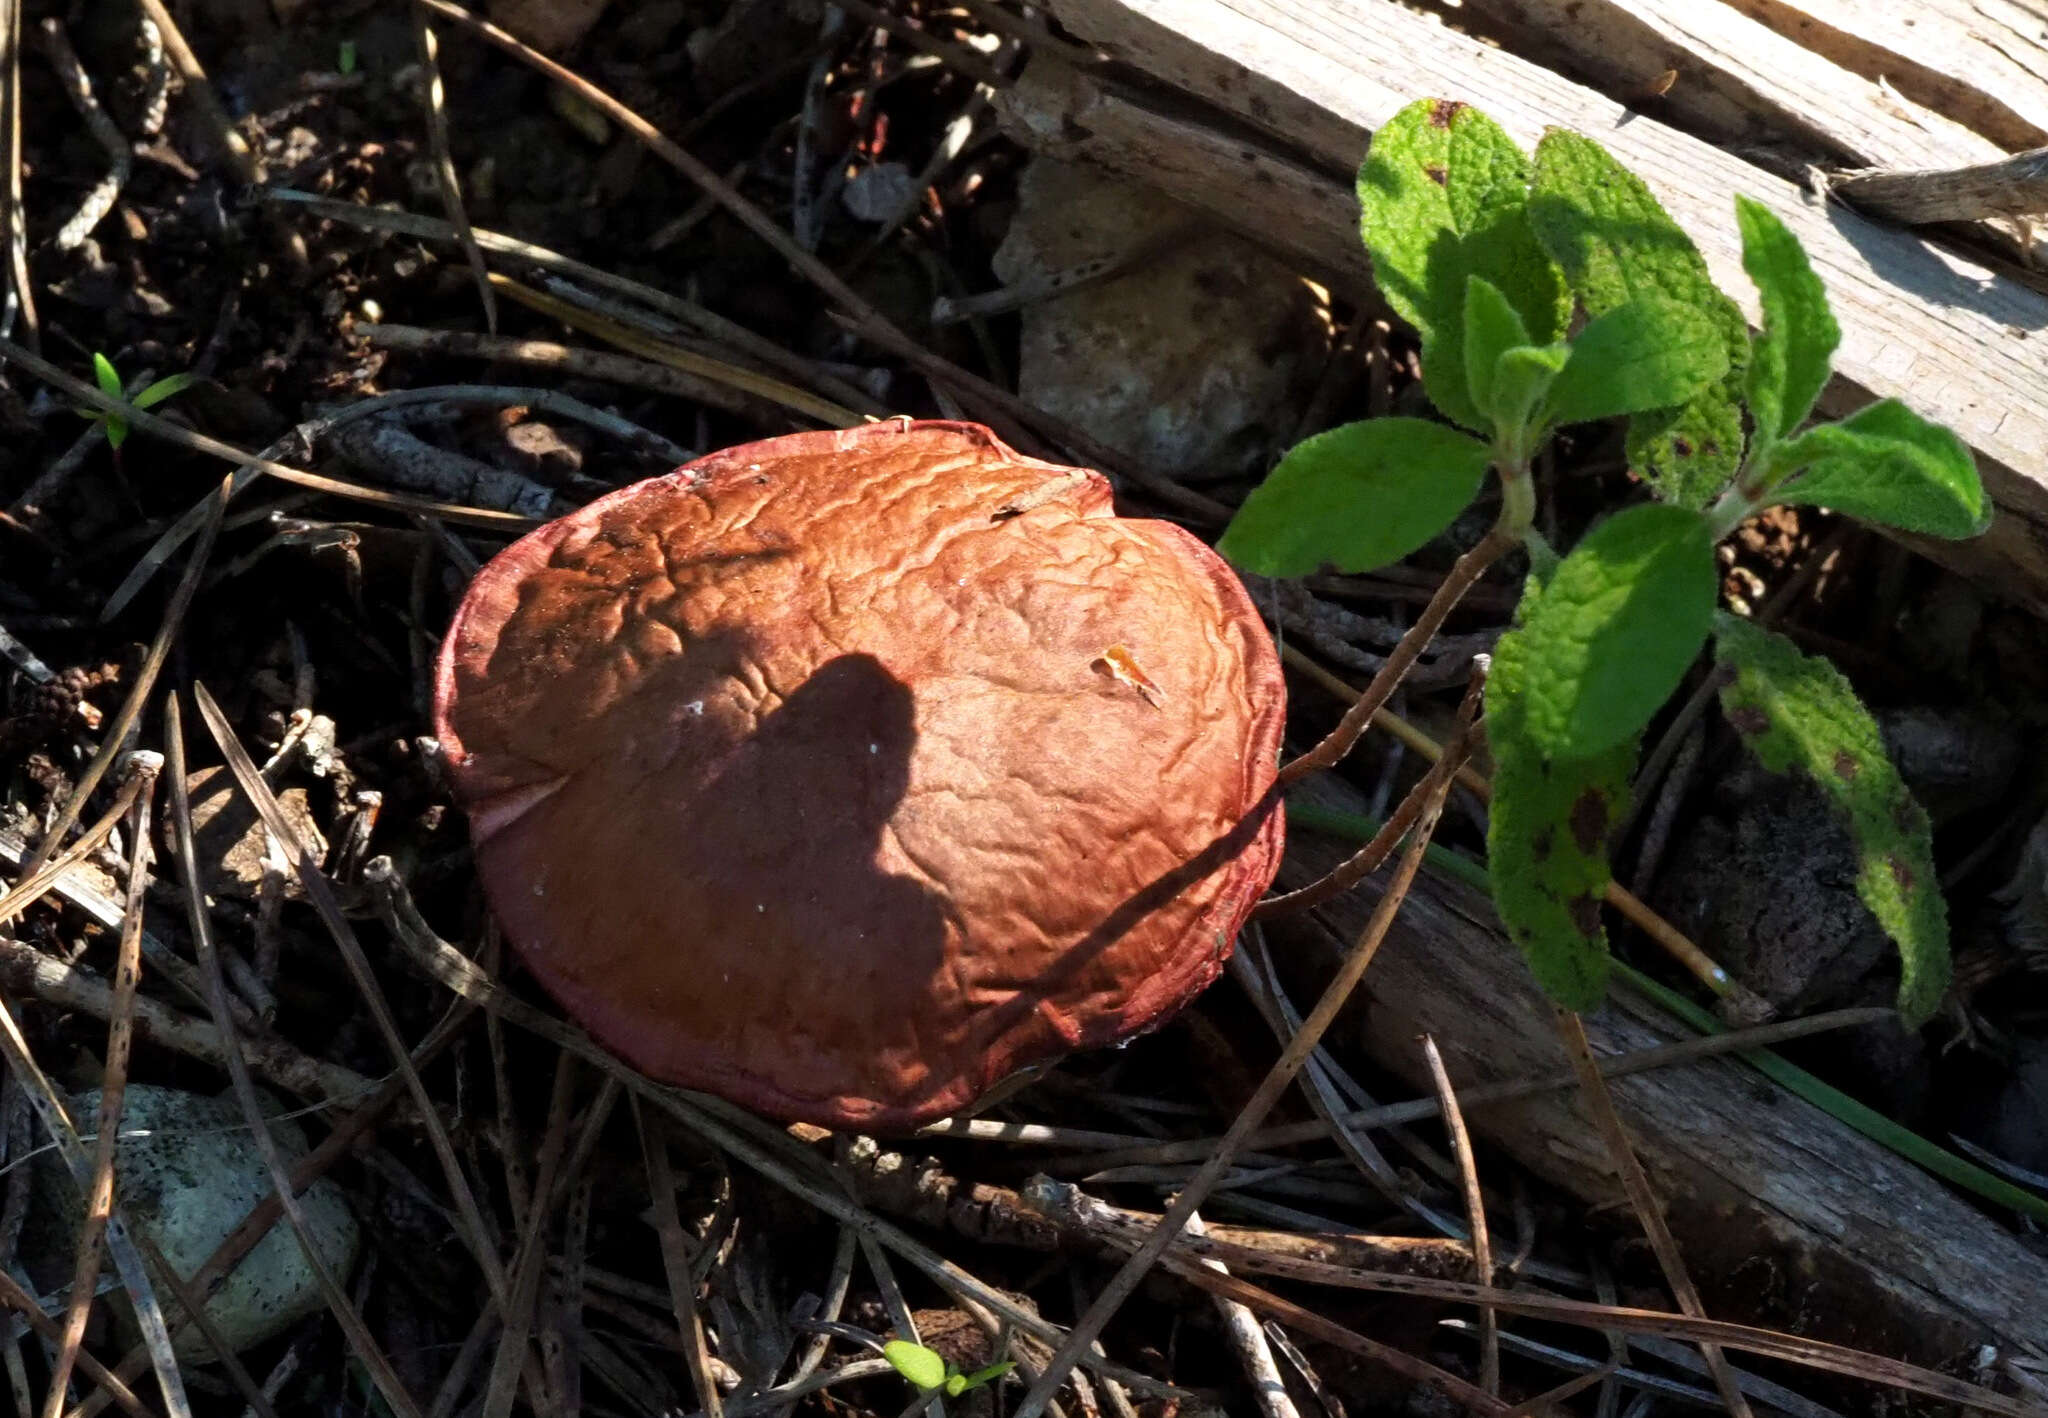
[(248, 168), (363, 1344), (125, 718), (376, 406), (1250, 1342), (100, 198), (143, 421), (99, 1201), (13, 217), (1115, 1149), (1330, 752), (1643, 1197), (705, 322), (760, 385), (321, 895), (1277, 1080), (675, 1260), (956, 56), (1347, 874), (1062, 1200), (444, 170), (258, 1220), (530, 1261), (24, 1304), (122, 1245), (1673, 941), (34, 884), (867, 320), (756, 1144), (1475, 1214)]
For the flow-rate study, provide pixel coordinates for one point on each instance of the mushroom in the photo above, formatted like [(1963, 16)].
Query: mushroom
[(843, 774)]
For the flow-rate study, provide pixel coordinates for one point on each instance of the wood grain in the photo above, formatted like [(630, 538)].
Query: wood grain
[(1288, 95), (1983, 63)]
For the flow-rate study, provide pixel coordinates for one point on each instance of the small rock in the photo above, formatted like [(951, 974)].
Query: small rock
[(187, 1178), (1195, 362), (877, 193)]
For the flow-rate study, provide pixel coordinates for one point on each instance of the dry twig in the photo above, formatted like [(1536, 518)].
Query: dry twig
[(1278, 1079), (99, 1201), (364, 1345), (1636, 1182), (1475, 1214)]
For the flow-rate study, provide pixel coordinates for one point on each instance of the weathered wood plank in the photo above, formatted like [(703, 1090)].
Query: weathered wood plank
[(1305, 85), (1787, 1218), (1738, 82), (1980, 62)]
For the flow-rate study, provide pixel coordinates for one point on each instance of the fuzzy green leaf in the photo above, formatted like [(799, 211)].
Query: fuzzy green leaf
[(1358, 497), (1615, 629), (1491, 329), (1645, 353), (1615, 242), (1442, 197), (916, 1363), (1886, 464), (1790, 359), (1796, 711), (1548, 835), (1521, 377)]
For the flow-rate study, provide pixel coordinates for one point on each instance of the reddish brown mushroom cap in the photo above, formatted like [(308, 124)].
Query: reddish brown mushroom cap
[(844, 773)]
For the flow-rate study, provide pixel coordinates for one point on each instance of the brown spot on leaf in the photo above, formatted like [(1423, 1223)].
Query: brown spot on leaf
[(1586, 915), (1682, 447), (1442, 111), (1846, 766), (1906, 814), (1901, 873), (1589, 820), (1435, 173), (1749, 720)]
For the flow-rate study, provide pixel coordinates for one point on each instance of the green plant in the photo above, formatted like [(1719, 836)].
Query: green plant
[(924, 1368), (1490, 254), (110, 384), (345, 57)]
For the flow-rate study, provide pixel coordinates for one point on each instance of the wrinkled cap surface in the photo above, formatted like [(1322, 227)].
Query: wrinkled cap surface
[(844, 773)]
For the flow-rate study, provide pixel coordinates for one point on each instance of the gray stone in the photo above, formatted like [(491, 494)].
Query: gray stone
[(186, 1173), (1197, 361)]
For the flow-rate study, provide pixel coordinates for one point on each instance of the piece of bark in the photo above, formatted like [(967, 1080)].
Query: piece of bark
[(1299, 88), (1786, 1216), (2016, 186)]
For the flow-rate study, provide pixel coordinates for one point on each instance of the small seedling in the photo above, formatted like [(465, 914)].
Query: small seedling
[(110, 384), (932, 1374), (1490, 255), (345, 60)]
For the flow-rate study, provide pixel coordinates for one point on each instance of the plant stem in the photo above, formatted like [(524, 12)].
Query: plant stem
[(1517, 497), (1730, 509), (1468, 569)]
